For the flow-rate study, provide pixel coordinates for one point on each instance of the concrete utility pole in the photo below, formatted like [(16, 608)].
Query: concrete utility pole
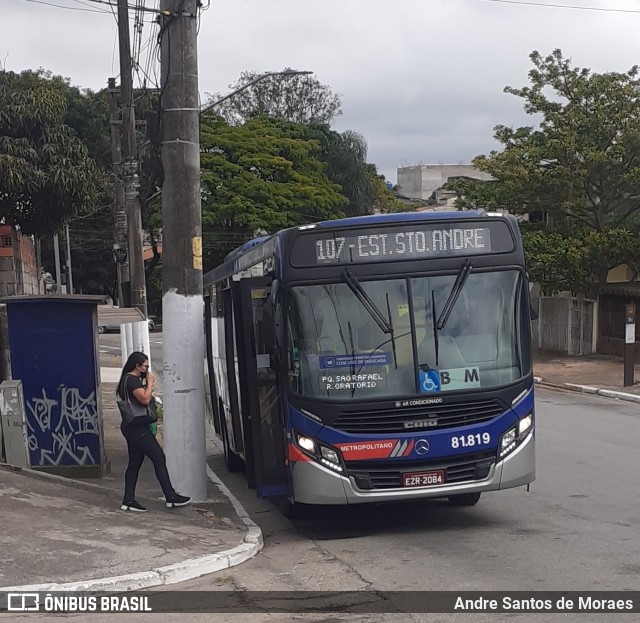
[(140, 334), (120, 245), (182, 300), (56, 255), (69, 273)]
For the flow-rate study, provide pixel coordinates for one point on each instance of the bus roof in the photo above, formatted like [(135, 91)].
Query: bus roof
[(395, 217), (231, 263)]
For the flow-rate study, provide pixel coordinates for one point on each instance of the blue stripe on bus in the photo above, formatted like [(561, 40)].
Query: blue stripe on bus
[(274, 490)]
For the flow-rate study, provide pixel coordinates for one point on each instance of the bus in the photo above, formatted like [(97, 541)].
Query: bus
[(375, 359)]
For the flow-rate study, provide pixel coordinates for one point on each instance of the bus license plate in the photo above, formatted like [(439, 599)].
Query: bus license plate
[(423, 479)]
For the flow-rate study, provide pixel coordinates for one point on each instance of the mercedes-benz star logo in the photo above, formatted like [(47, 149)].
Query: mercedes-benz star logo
[(422, 446)]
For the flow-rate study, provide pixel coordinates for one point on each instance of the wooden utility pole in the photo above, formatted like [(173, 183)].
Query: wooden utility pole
[(182, 300), (120, 245), (140, 334), (130, 164)]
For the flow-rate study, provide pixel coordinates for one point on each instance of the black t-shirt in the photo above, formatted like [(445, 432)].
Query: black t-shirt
[(131, 383)]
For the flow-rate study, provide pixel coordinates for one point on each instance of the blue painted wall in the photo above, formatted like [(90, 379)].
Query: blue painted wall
[(53, 353)]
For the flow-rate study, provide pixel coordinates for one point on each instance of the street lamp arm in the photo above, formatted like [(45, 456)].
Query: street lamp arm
[(289, 72)]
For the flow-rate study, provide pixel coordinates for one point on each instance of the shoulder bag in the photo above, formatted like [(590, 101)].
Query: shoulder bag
[(130, 410)]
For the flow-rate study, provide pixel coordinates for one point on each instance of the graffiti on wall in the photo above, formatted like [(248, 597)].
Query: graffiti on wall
[(63, 429)]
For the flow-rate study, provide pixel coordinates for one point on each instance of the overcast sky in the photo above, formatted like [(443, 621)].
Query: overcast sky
[(421, 80)]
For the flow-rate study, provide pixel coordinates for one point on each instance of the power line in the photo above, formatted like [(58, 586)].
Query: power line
[(96, 10), (564, 6), (83, 3), (71, 8)]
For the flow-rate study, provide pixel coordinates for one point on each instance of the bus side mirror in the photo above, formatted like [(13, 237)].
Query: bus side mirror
[(534, 301)]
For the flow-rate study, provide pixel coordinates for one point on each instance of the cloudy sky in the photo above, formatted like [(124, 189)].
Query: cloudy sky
[(421, 80)]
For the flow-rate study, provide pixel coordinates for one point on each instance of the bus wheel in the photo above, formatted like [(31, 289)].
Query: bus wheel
[(465, 499), (232, 460)]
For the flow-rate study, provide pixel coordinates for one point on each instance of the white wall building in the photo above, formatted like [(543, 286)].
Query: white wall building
[(425, 181)]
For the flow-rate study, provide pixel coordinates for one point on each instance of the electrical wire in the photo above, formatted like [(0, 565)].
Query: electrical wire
[(85, 4), (71, 8), (564, 6), (96, 10)]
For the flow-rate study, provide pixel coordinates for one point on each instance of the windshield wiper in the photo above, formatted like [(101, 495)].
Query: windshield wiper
[(367, 303), (392, 332), (385, 324), (436, 344), (453, 295), (353, 351)]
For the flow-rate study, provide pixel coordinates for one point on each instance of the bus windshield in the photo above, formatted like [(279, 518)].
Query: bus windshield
[(347, 345)]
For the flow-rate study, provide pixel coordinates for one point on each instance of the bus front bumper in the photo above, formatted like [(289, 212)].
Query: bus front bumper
[(315, 484)]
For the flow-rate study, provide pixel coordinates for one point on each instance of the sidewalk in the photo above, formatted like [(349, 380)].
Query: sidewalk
[(63, 534), (593, 374)]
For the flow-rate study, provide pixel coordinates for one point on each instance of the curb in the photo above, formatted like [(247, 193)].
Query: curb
[(171, 574), (588, 389)]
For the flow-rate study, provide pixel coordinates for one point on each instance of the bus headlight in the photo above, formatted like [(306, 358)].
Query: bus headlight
[(330, 454), (512, 438), (307, 444), (507, 442), (325, 455), (524, 425)]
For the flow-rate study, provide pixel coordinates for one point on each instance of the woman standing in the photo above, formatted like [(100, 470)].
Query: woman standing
[(140, 441)]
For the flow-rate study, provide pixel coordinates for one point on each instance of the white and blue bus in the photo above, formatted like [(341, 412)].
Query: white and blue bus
[(374, 359)]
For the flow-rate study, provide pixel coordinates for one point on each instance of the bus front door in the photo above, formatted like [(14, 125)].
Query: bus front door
[(265, 446)]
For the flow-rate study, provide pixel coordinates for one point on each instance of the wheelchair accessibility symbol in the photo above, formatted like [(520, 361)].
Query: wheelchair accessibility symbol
[(429, 381)]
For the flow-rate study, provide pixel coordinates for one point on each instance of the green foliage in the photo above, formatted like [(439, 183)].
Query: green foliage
[(346, 157), (262, 176), (581, 166), (47, 174), (575, 262), (384, 199)]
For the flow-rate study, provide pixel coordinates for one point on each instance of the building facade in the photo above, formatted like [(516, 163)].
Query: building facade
[(18, 266), (426, 181)]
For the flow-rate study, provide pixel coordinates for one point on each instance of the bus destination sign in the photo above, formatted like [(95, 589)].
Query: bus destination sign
[(407, 242)]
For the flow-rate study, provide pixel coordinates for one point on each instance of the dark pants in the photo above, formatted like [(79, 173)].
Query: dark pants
[(141, 443)]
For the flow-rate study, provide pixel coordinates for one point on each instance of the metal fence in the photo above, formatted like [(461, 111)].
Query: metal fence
[(564, 325)]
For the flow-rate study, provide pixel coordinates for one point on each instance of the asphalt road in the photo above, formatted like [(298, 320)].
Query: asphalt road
[(109, 347), (578, 528)]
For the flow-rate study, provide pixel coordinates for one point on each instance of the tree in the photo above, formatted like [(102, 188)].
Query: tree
[(576, 262), (264, 175), (346, 157), (91, 232), (296, 98), (581, 165), (303, 99), (47, 174)]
